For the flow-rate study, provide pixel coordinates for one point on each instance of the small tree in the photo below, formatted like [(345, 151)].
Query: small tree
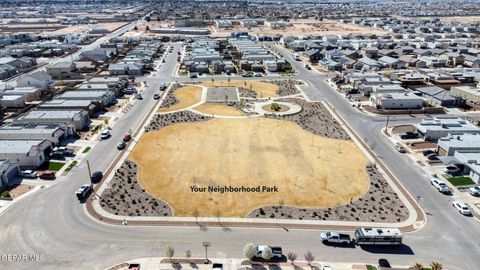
[(292, 257), (309, 257), (188, 254), (229, 80), (267, 253), (170, 252), (213, 81), (226, 98), (135, 28), (105, 122), (436, 266), (417, 266), (249, 250), (147, 19), (147, 28)]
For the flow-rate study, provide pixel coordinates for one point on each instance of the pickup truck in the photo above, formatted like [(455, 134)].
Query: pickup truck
[(276, 251), (335, 238)]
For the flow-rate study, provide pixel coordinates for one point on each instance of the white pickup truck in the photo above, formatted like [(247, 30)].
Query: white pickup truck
[(335, 238)]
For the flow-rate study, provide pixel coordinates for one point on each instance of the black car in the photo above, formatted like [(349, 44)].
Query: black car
[(409, 135), (384, 263), (156, 96), (96, 176), (121, 146), (427, 152), (432, 156)]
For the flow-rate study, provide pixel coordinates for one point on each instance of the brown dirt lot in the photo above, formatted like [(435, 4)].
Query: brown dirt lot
[(218, 109), (188, 96), (309, 170), (263, 89)]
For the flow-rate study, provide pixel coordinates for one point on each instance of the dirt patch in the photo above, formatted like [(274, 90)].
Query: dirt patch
[(423, 145), (180, 98), (263, 89), (315, 118), (403, 129), (19, 190), (301, 169), (380, 204), (125, 197), (219, 109)]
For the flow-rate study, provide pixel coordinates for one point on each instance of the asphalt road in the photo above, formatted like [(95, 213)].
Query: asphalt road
[(52, 223)]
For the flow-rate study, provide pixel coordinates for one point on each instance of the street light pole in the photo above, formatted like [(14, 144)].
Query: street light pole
[(206, 245)]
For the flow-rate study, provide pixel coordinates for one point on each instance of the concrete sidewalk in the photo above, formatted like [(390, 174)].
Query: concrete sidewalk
[(154, 263)]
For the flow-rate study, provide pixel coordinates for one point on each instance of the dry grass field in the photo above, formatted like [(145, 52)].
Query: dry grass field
[(263, 89), (187, 96), (308, 170), (218, 109)]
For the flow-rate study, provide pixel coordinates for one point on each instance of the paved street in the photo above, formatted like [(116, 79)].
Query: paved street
[(52, 223)]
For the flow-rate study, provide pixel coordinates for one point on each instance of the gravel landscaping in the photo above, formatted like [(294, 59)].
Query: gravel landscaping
[(286, 87), (246, 93), (379, 204), (163, 120), (314, 118), (170, 99), (125, 197)]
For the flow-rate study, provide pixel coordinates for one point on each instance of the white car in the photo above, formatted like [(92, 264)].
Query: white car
[(327, 267), (474, 191), (105, 135), (462, 208), (400, 148), (29, 174), (440, 185)]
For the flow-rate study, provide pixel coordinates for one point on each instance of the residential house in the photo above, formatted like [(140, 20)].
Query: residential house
[(63, 70), (26, 153), (52, 132), (8, 171), (37, 79), (77, 118), (438, 127), (391, 101)]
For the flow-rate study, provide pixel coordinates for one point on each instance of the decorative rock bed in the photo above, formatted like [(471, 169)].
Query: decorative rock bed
[(379, 204), (163, 120), (170, 99), (286, 87), (125, 197), (314, 118), (246, 93)]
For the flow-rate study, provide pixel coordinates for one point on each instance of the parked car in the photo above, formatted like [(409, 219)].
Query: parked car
[(400, 148), (47, 175), (57, 155), (96, 176), (451, 170), (335, 238), (193, 75), (156, 96), (428, 152), (307, 66), (29, 174), (440, 185), (409, 135), (127, 137), (121, 146), (432, 156), (217, 266), (383, 263), (327, 267), (83, 191), (105, 135), (138, 96), (462, 208), (258, 74), (474, 191), (247, 74), (162, 87)]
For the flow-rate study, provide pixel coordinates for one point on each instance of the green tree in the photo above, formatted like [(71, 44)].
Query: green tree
[(170, 252), (135, 28), (147, 28), (417, 266), (188, 254), (249, 250), (309, 257), (292, 257), (229, 81), (267, 253), (436, 266), (147, 19)]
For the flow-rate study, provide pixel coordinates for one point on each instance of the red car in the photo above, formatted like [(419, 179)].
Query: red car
[(47, 175), (127, 137)]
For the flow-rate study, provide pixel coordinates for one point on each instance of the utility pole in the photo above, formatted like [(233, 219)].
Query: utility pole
[(206, 245), (386, 125), (89, 171)]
